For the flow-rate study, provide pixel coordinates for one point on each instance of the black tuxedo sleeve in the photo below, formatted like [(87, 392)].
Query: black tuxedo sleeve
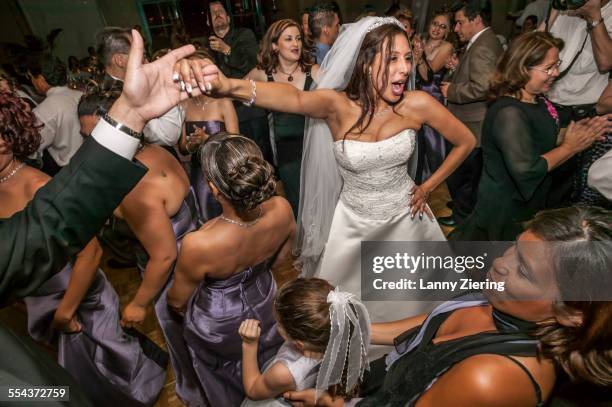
[(63, 217)]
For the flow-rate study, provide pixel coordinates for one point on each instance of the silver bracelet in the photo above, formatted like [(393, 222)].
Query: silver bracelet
[(253, 94)]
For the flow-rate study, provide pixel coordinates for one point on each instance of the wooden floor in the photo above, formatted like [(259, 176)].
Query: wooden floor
[(126, 283)]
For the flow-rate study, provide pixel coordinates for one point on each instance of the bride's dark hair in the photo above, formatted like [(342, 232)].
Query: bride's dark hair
[(361, 88)]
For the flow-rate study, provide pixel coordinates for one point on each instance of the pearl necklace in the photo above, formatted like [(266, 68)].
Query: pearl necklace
[(12, 173), (243, 224)]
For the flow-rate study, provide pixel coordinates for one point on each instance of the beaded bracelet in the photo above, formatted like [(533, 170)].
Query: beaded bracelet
[(253, 94)]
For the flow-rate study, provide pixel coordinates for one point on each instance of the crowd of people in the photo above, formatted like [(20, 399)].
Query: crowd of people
[(211, 166)]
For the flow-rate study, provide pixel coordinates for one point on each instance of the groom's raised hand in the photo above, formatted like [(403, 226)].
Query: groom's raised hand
[(150, 89)]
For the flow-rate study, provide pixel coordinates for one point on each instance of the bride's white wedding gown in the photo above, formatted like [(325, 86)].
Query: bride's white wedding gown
[(373, 206)]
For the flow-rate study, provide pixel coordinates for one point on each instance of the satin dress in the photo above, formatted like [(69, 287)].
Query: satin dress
[(214, 314), (374, 206), (113, 366)]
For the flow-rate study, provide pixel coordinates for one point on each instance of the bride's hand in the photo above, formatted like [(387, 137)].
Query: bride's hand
[(205, 75), (418, 201)]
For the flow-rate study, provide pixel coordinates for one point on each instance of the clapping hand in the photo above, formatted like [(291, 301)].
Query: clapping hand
[(218, 45), (196, 139), (581, 135), (417, 49), (452, 62), (249, 332)]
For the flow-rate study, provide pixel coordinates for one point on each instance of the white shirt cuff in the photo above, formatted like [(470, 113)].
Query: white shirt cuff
[(115, 140)]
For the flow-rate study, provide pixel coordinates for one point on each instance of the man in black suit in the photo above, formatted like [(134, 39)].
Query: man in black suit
[(69, 210)]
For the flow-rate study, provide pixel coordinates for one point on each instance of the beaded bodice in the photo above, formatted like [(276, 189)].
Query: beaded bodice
[(375, 175)]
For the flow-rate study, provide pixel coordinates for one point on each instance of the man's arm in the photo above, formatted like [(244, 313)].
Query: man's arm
[(63, 217), (600, 36), (67, 212)]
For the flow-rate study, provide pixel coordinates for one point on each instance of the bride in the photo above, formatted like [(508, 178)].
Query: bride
[(359, 139)]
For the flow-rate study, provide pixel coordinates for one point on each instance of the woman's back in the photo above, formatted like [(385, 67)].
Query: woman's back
[(165, 182), (237, 248)]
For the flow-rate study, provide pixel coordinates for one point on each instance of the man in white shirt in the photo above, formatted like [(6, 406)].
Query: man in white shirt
[(536, 8), (113, 47), (588, 55), (58, 113)]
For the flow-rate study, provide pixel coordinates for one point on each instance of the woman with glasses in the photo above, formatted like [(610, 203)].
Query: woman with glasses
[(519, 143), (430, 72)]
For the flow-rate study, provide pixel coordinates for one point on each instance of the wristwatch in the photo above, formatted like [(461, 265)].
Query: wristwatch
[(592, 24)]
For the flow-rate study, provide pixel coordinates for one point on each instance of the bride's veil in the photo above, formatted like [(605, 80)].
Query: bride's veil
[(320, 180)]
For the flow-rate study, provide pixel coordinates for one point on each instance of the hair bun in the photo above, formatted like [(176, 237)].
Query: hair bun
[(251, 182)]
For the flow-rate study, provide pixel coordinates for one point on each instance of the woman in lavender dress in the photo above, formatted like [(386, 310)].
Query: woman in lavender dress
[(77, 308), (223, 274), (430, 72), (204, 117)]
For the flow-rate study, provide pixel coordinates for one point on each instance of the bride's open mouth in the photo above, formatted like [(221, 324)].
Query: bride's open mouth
[(397, 88)]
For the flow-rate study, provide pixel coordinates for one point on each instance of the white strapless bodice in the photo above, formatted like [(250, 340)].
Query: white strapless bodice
[(375, 174)]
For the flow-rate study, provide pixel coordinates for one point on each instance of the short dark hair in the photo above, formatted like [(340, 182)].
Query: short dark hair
[(51, 68), (96, 99), (111, 41), (321, 15), (473, 9), (531, 18)]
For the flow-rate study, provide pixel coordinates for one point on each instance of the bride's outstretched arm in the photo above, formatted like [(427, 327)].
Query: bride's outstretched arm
[(432, 113), (281, 97)]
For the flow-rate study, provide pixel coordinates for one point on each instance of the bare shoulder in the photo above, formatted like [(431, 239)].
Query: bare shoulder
[(36, 179), (281, 208), (482, 380), (417, 101), (314, 72)]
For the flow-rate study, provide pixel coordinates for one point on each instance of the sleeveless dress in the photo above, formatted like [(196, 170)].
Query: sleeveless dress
[(373, 206), (187, 388), (113, 366), (209, 207), (289, 140), (417, 362), (433, 151), (303, 369), (214, 314)]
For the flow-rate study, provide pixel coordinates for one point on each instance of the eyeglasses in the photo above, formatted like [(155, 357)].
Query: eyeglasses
[(435, 24), (549, 71)]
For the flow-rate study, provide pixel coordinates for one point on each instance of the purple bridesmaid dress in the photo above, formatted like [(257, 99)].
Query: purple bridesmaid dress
[(112, 366), (186, 220), (212, 320), (209, 207)]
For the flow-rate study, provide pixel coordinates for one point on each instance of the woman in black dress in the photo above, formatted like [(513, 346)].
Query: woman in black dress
[(507, 348), (519, 141)]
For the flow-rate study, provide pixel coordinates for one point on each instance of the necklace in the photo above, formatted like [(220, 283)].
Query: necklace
[(10, 174), (198, 102), (243, 224), (380, 113), (289, 75)]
